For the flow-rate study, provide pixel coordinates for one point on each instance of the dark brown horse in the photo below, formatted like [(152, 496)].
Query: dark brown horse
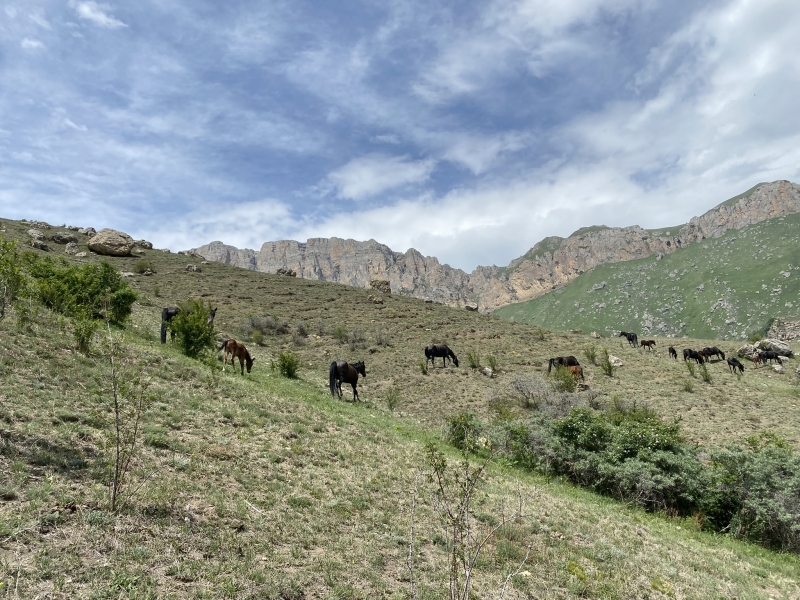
[(167, 314), (236, 350), (649, 344), (343, 372), (673, 353), (564, 361), (432, 352)]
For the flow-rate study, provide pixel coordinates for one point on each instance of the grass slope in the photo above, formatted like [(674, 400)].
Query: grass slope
[(724, 288), (261, 487)]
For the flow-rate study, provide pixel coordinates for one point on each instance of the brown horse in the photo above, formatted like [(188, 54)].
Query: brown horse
[(576, 372), (673, 353), (236, 350), (342, 371), (647, 344)]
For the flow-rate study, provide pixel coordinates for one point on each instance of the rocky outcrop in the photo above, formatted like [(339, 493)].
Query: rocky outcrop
[(550, 264), (71, 249), (64, 238), (784, 330), (110, 242), (381, 285)]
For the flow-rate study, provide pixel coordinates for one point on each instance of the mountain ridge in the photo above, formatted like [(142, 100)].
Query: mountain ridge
[(550, 263)]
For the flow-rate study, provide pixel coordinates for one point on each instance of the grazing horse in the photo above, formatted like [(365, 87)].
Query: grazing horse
[(564, 361), (632, 338), (342, 372), (693, 354), (236, 350), (756, 359), (167, 314), (714, 351), (432, 352), (768, 356), (672, 353), (647, 344), (733, 364), (577, 371)]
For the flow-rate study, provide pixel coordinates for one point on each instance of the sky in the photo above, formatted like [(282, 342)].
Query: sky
[(468, 130)]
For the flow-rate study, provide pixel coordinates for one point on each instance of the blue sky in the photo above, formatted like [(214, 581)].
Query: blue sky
[(467, 130)]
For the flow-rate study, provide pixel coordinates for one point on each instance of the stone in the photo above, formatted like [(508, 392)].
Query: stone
[(39, 245), (487, 371), (375, 299), (472, 307), (110, 242), (777, 368), (71, 249), (595, 335), (776, 346), (193, 268), (382, 285), (747, 351), (287, 272), (81, 255), (36, 234), (138, 251), (90, 231), (127, 274), (40, 225), (73, 228), (617, 362), (147, 272), (64, 238), (144, 244), (166, 250)]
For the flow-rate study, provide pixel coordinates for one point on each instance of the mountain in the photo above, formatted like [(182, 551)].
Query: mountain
[(550, 264)]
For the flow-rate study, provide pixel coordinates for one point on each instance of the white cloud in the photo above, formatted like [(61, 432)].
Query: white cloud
[(96, 13), (372, 174), (480, 152), (30, 44)]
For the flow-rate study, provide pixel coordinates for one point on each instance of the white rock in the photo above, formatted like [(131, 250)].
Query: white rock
[(110, 242), (617, 362)]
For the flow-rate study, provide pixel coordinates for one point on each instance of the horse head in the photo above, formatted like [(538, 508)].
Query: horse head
[(360, 367)]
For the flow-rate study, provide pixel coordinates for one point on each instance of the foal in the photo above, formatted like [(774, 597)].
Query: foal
[(236, 350)]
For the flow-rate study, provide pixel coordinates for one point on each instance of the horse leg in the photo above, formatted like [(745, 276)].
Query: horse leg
[(355, 393), (241, 363)]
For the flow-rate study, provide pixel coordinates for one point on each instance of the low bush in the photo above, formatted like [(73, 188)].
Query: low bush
[(382, 336), (12, 278), (265, 324), (689, 367), (688, 386), (288, 365), (142, 266), (605, 362), (357, 340), (563, 380), (463, 430), (590, 352), (474, 359), (195, 334), (704, 374), (340, 334)]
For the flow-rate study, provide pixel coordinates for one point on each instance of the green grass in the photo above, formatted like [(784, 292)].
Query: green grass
[(743, 289), (259, 486)]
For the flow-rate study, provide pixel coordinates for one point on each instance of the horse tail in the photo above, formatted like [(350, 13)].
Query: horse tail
[(163, 332), (332, 378)]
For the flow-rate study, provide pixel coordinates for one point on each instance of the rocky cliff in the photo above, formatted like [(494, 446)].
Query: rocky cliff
[(549, 264)]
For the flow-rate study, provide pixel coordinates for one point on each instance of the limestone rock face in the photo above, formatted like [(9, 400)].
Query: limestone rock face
[(778, 347), (381, 285), (71, 249), (110, 242), (551, 263)]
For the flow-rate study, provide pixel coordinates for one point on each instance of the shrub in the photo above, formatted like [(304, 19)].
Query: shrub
[(492, 362), (339, 333), (302, 330), (473, 359), (463, 430), (538, 334), (84, 329), (423, 367), (357, 339), (143, 265), (704, 374), (688, 386), (563, 380), (299, 340), (288, 364), (605, 362), (531, 389), (94, 291), (392, 398), (12, 279), (195, 334), (689, 367), (590, 352), (266, 324), (382, 336), (320, 328), (258, 337)]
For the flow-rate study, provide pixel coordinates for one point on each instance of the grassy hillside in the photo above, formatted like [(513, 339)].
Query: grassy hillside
[(262, 487), (724, 288)]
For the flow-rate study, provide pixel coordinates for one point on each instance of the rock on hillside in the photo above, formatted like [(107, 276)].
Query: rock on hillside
[(551, 263)]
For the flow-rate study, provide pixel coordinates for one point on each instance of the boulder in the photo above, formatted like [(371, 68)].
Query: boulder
[(617, 362), (90, 231), (777, 368), (487, 371), (747, 351), (193, 268), (382, 285), (286, 271), (127, 274), (64, 238), (39, 245), (71, 249), (73, 228), (40, 225), (776, 346), (81, 255), (110, 242), (36, 234), (147, 272), (595, 335), (144, 244), (472, 307)]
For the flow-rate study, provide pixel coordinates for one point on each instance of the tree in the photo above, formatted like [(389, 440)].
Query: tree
[(194, 327), (12, 279)]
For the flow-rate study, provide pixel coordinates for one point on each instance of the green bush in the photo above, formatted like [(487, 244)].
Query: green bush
[(704, 374), (195, 334), (258, 337), (492, 362), (688, 386), (474, 359), (423, 367), (340, 334), (605, 362), (85, 291), (143, 265), (288, 364), (12, 279), (590, 352), (393, 398), (463, 430), (563, 380), (84, 330), (689, 367)]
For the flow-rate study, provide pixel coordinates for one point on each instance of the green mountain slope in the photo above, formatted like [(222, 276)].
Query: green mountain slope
[(724, 288)]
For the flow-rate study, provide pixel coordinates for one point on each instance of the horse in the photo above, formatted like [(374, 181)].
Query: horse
[(236, 350), (733, 364), (672, 353), (768, 356), (714, 351), (647, 344), (756, 359), (433, 351), (632, 338), (343, 372), (211, 316), (577, 371), (167, 314), (693, 354), (564, 361)]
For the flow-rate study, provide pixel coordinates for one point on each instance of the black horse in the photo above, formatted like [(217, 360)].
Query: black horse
[(342, 372), (167, 314), (673, 353), (211, 316), (632, 338), (714, 351), (432, 352), (565, 361), (769, 356), (733, 364), (688, 353)]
